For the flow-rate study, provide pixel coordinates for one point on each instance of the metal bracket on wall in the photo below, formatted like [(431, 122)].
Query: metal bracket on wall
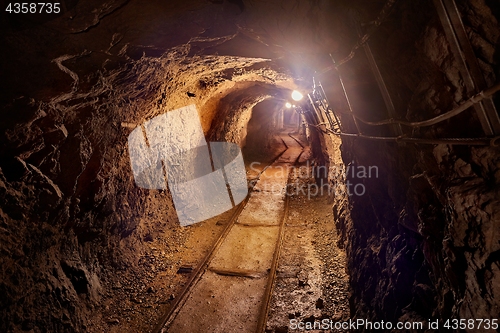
[(346, 97), (464, 53), (324, 113), (330, 114), (391, 110)]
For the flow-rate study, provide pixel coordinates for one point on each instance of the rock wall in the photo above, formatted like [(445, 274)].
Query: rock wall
[(423, 242), (71, 217)]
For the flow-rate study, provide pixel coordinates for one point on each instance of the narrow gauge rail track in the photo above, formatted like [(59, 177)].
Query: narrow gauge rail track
[(266, 303), (218, 297)]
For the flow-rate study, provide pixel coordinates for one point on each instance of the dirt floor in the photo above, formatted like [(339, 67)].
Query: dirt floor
[(228, 296), (311, 280), (135, 303)]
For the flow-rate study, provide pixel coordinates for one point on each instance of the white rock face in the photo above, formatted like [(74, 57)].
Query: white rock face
[(197, 178)]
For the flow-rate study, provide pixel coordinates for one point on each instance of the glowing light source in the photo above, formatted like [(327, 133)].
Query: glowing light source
[(288, 105), (296, 95)]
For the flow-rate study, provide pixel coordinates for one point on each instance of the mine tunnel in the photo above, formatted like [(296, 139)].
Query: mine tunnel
[(250, 166)]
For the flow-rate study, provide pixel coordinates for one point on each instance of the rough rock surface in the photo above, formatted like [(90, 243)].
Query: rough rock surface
[(423, 242)]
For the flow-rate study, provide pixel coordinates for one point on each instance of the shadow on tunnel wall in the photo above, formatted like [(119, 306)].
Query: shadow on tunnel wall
[(421, 242)]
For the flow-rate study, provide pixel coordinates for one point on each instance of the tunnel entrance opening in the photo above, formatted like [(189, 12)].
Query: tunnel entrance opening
[(261, 142), (286, 214)]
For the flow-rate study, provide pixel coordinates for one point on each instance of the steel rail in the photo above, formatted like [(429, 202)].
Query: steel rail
[(197, 274), (176, 306), (266, 303), (296, 140)]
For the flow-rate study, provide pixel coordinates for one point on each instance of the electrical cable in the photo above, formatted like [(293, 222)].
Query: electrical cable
[(447, 115), (494, 142)]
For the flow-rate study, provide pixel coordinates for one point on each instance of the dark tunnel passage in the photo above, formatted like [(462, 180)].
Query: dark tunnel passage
[(250, 166)]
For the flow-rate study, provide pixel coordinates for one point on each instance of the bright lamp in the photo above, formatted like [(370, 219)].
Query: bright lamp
[(296, 95)]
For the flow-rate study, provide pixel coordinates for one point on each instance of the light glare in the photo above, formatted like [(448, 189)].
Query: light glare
[(296, 95), (288, 105)]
